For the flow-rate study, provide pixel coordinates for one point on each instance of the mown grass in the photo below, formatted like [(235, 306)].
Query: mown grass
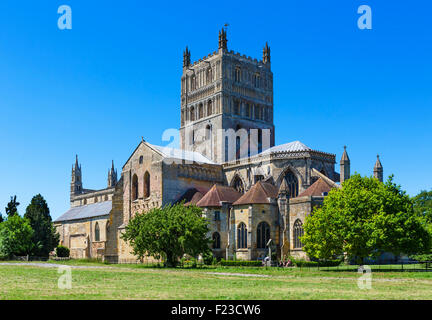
[(145, 282)]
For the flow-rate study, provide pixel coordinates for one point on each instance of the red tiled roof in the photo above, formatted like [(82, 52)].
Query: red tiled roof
[(259, 193), (317, 189), (218, 194)]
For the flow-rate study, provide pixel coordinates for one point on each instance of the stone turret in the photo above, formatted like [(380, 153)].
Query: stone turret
[(378, 170), (112, 176), (186, 58), (76, 181), (223, 40), (345, 167), (266, 54)]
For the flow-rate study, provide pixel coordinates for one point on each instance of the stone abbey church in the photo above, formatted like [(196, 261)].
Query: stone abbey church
[(250, 190)]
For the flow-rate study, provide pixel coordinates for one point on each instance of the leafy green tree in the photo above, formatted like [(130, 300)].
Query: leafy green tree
[(423, 204), (12, 207), (38, 214), (168, 233), (16, 236), (1, 218), (364, 218)]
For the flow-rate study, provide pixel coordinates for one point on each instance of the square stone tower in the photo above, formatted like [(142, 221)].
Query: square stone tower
[(222, 91)]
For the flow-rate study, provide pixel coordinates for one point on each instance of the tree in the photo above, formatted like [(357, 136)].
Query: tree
[(423, 204), (38, 214), (168, 233), (16, 236), (12, 207), (364, 218), (1, 218)]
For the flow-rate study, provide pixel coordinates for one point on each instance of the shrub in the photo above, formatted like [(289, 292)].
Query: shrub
[(208, 258), (324, 263), (62, 251), (305, 264), (422, 257), (240, 263)]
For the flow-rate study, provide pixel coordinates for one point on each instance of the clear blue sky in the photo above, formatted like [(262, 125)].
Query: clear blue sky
[(96, 89)]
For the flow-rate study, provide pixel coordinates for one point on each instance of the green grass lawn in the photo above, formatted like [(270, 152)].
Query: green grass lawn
[(143, 282)]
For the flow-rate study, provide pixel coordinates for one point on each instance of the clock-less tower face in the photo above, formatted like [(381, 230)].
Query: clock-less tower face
[(224, 96)]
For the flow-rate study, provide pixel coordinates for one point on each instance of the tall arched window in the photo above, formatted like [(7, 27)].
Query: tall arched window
[(237, 148), (208, 132), (97, 232), (209, 75), (236, 107), (226, 149), (241, 236), (263, 235), (192, 114), (238, 184), (193, 82), (256, 112), (216, 241), (209, 108), (292, 184), (298, 232), (200, 111), (146, 184), (135, 187), (141, 158), (237, 74), (259, 140)]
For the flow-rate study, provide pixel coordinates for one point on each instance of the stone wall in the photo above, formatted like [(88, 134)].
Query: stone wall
[(79, 237), (220, 226), (300, 208)]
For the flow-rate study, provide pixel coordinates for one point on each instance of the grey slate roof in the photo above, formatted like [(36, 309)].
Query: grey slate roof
[(173, 153), (87, 211), (288, 147)]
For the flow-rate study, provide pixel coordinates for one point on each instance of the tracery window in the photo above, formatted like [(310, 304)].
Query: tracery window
[(263, 235), (298, 232), (238, 184), (216, 241), (292, 184), (97, 232), (241, 236)]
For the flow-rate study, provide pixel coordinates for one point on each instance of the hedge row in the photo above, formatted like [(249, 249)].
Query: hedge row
[(240, 263), (305, 264)]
